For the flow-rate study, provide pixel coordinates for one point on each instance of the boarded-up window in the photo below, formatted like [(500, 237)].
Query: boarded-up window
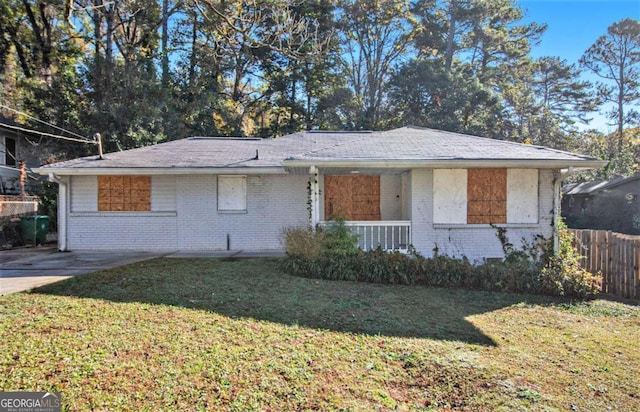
[(352, 197), (486, 196), (450, 196), (522, 198), (232, 193), (124, 193)]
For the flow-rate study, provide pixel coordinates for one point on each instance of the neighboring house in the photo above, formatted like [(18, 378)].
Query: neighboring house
[(12, 150), (408, 186), (10, 142), (603, 204)]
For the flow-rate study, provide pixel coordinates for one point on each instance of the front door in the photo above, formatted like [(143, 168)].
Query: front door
[(352, 197)]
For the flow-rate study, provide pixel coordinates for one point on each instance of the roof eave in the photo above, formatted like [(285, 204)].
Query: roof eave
[(151, 171), (577, 164)]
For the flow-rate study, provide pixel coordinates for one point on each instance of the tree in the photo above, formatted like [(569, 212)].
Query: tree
[(426, 93), (375, 35), (623, 163), (495, 41), (615, 58), (545, 100)]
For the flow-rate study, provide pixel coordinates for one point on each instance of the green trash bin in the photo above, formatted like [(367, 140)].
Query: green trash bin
[(34, 229)]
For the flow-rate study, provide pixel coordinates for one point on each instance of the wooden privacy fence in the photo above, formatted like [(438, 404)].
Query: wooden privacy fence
[(615, 255)]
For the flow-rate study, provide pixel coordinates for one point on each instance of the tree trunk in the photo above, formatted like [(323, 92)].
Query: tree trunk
[(43, 39), (448, 58), (621, 108), (165, 42), (194, 51)]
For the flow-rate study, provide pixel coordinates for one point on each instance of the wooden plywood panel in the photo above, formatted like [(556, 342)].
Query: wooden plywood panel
[(352, 197), (476, 184), (124, 193), (476, 207), (498, 181), (104, 183), (140, 182), (487, 196), (499, 209)]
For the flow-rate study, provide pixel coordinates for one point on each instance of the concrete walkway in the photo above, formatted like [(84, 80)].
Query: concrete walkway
[(29, 267)]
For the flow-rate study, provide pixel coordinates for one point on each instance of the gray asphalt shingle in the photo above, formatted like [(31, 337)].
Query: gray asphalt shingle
[(406, 143)]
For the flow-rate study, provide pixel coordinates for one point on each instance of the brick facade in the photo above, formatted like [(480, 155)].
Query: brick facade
[(184, 216)]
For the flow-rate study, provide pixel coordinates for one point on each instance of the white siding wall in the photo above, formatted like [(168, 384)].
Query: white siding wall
[(390, 195), (184, 215), (473, 241)]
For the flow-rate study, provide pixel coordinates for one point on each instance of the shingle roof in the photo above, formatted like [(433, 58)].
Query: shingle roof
[(407, 144), (585, 188), (413, 143)]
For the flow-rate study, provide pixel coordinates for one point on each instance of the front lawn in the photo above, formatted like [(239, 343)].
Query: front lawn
[(203, 334)]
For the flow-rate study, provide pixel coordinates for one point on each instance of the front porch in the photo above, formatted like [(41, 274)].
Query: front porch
[(391, 236), (373, 204)]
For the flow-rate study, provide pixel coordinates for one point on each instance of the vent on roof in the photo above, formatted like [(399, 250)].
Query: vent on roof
[(249, 139)]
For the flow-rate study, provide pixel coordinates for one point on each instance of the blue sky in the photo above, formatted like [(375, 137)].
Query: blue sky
[(573, 26)]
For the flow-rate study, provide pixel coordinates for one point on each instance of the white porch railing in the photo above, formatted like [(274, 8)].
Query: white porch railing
[(390, 235)]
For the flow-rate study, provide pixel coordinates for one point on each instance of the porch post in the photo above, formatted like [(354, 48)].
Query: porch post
[(314, 195)]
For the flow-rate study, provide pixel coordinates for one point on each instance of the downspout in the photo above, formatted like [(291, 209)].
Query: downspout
[(62, 211)]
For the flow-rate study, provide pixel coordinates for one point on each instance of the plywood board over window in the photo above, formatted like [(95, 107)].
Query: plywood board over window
[(486, 196), (352, 197), (124, 193)]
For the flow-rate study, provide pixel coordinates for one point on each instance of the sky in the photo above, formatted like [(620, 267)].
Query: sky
[(573, 26)]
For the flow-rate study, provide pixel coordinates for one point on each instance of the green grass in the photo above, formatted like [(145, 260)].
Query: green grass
[(240, 335)]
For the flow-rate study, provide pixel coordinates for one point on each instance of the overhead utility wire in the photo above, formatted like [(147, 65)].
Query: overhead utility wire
[(72, 139), (42, 121)]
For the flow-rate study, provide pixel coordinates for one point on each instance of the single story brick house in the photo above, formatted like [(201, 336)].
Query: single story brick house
[(408, 186)]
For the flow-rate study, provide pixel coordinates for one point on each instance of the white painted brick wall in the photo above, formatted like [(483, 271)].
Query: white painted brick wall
[(92, 230), (184, 216), (273, 204), (473, 241), (390, 197), (127, 231)]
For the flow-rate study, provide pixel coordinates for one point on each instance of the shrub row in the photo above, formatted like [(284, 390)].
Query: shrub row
[(309, 255)]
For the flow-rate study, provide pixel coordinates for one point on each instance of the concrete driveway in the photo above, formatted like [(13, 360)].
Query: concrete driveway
[(30, 267), (27, 268)]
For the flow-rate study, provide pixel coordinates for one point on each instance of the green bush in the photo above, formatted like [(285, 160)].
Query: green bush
[(562, 275), (338, 239), (332, 255)]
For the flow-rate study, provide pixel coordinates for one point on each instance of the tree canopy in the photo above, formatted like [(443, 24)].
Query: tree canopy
[(141, 72)]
